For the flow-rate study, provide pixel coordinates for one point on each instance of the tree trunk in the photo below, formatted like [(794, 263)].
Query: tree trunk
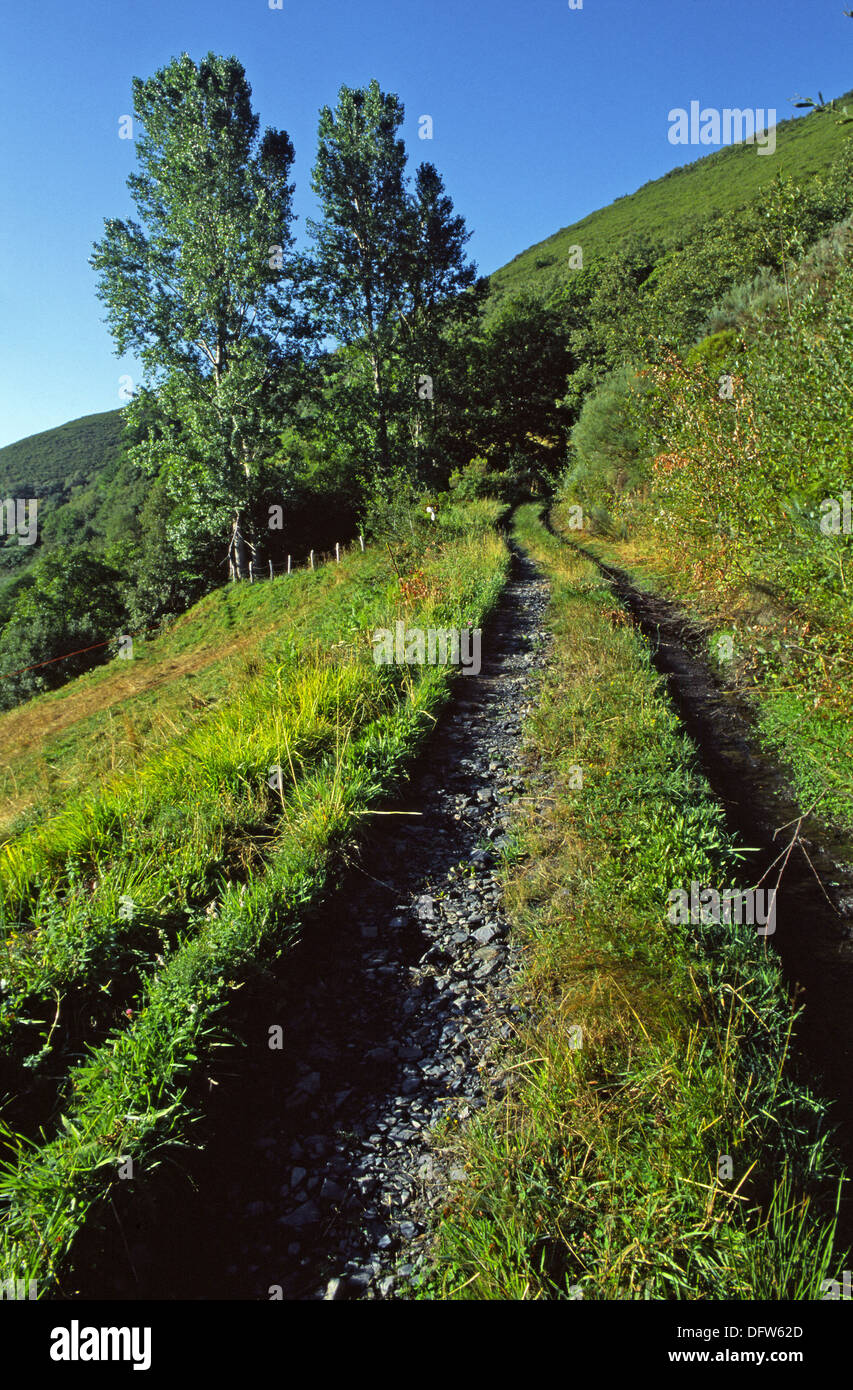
[(239, 550), (384, 447)]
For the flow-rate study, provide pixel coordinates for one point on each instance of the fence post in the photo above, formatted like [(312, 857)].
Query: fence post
[(361, 538), (272, 572), (312, 559), (337, 552), (288, 564)]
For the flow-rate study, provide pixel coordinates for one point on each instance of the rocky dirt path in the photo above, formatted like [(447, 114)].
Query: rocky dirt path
[(322, 1169), (320, 1176)]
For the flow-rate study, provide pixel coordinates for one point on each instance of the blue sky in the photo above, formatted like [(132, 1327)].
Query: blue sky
[(541, 114)]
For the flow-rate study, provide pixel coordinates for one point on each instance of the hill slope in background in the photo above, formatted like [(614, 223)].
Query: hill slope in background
[(51, 464), (70, 470), (667, 209)]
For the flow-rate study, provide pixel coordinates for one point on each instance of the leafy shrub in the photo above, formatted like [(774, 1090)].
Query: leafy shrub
[(716, 353), (472, 482), (73, 603), (608, 454)]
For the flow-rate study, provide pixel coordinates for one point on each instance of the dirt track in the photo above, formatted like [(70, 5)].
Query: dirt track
[(814, 926)]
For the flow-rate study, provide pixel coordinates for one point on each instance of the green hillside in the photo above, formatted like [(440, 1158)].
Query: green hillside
[(70, 466), (666, 210), (52, 464)]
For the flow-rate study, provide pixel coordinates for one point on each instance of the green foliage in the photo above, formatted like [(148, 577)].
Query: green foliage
[(715, 353), (73, 602), (755, 469), (515, 375), (389, 282), (473, 481), (607, 452), (204, 293)]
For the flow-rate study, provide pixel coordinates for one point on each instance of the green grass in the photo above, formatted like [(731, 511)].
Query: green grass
[(791, 667), (109, 720), (219, 868), (601, 1174)]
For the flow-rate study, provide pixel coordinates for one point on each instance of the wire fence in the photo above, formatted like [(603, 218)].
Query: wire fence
[(256, 574)]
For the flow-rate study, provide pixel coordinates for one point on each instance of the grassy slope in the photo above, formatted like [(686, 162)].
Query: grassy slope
[(667, 208), (107, 720), (802, 710), (139, 998)]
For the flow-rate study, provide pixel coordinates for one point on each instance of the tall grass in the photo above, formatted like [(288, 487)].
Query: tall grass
[(201, 818)]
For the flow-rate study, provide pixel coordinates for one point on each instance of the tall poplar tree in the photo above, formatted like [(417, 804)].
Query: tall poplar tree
[(390, 279), (445, 301), (203, 289), (362, 243)]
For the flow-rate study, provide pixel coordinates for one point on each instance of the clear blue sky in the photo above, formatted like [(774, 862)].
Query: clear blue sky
[(542, 114)]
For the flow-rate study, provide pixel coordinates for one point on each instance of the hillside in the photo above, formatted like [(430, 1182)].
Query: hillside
[(70, 466), (667, 209), (51, 465)]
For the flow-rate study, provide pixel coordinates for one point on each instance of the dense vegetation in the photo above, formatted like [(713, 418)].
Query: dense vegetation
[(723, 468)]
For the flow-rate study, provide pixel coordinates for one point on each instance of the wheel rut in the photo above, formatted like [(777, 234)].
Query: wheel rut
[(814, 906), (321, 1173)]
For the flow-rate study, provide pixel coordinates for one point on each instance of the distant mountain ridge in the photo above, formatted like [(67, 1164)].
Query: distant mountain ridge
[(72, 470), (51, 464)]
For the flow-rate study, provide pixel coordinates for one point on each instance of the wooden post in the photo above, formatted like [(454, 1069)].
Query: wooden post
[(288, 564), (272, 572), (251, 571), (361, 538), (337, 553), (312, 559)]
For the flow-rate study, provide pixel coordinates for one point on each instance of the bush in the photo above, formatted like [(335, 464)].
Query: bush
[(608, 456), (716, 353), (472, 482), (72, 604)]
